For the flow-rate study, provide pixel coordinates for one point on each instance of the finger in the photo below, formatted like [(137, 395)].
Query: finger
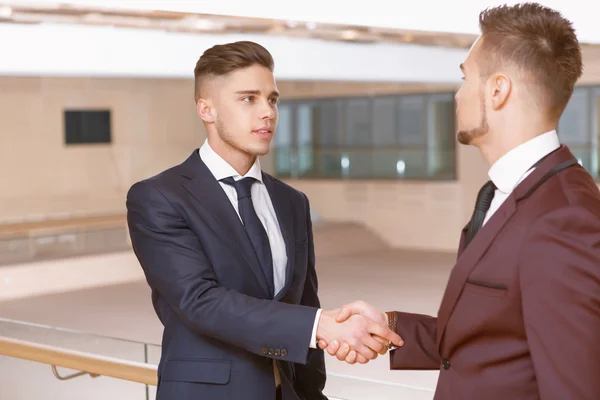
[(384, 343), (358, 307), (343, 351), (379, 346), (345, 313), (375, 345), (333, 347), (322, 344), (351, 358), (361, 360), (381, 340), (366, 352), (385, 333)]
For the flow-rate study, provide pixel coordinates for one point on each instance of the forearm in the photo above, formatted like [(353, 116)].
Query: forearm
[(420, 350), (255, 325)]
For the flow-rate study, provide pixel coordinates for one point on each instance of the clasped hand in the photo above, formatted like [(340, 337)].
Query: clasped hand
[(357, 332)]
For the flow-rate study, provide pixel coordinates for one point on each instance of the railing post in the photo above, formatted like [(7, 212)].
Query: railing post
[(146, 361)]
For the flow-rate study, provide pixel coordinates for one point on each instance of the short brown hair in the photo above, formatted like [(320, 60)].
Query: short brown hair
[(539, 41), (222, 59)]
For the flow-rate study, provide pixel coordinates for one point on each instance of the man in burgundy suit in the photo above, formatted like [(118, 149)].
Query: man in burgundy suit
[(520, 317)]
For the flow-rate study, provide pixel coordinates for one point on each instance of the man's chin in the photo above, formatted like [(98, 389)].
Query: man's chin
[(464, 137), (259, 150)]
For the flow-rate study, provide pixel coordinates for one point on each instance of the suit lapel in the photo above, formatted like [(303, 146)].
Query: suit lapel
[(282, 204), (203, 186), (469, 256)]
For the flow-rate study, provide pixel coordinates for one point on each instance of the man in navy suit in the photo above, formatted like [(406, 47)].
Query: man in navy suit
[(228, 252)]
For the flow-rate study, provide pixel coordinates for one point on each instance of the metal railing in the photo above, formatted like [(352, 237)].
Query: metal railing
[(31, 355), (87, 363), (61, 238)]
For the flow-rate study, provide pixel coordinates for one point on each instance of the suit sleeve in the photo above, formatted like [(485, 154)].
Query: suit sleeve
[(420, 350), (310, 378), (175, 266), (559, 268)]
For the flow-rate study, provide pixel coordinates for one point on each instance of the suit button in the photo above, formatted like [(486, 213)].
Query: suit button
[(284, 352), (271, 352), (277, 352), (265, 351), (446, 364)]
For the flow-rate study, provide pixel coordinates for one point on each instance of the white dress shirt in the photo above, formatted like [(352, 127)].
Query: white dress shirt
[(513, 167), (264, 209)]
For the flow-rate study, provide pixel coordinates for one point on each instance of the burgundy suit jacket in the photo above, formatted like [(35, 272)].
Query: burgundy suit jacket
[(520, 317)]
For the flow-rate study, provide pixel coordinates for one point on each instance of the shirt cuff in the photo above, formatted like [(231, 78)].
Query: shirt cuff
[(313, 339)]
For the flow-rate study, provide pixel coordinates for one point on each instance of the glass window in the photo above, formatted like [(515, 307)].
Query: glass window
[(574, 129), (358, 122), (283, 135), (304, 128), (381, 137), (441, 136), (411, 121), (283, 141), (305, 125), (385, 132), (328, 116)]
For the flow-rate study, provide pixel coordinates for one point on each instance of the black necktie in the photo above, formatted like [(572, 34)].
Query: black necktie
[(255, 229), (482, 205)]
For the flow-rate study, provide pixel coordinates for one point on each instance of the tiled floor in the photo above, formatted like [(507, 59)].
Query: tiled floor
[(387, 278)]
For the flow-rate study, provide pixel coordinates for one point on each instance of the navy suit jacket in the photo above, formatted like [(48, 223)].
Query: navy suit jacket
[(221, 328)]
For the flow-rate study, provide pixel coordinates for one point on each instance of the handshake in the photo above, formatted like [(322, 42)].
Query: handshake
[(356, 332)]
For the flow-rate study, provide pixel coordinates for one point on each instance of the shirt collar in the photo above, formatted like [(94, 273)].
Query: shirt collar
[(507, 172), (221, 169)]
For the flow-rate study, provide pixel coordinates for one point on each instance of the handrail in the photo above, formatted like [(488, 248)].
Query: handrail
[(95, 365), (92, 364), (60, 225)]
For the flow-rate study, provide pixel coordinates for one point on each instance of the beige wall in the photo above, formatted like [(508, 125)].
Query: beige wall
[(591, 65), (155, 126)]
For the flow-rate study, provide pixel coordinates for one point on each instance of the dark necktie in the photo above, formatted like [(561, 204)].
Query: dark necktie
[(255, 229), (482, 205)]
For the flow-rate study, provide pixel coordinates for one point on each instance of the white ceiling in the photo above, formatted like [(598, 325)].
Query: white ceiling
[(80, 50), (452, 16), (69, 49)]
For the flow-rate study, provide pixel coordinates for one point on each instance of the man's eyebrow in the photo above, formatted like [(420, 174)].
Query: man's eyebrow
[(256, 92)]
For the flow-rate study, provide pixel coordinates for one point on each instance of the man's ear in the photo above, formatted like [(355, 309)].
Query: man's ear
[(205, 110), (500, 88)]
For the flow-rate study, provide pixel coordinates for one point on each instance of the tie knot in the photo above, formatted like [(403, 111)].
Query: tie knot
[(485, 196), (242, 187)]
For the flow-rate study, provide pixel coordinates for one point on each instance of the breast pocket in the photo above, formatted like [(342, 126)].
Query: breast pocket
[(486, 288), (195, 379)]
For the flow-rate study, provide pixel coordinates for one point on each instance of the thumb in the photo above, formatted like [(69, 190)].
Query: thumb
[(344, 314)]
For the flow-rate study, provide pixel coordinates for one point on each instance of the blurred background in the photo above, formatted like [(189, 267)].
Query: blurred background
[(96, 95)]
